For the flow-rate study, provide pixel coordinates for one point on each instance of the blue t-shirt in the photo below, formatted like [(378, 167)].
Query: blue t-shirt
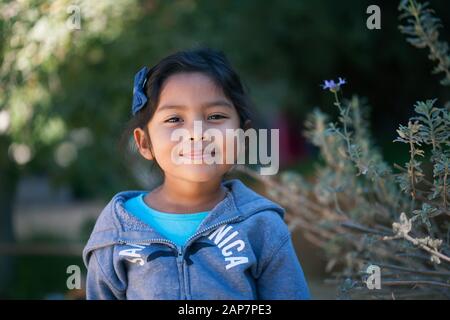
[(177, 227)]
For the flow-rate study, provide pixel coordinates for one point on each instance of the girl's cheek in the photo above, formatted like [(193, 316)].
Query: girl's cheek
[(160, 139)]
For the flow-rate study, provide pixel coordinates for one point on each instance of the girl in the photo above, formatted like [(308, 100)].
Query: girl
[(196, 236)]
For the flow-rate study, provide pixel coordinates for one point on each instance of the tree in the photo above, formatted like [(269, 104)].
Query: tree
[(37, 38)]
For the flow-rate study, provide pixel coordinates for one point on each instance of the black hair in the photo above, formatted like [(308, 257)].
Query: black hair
[(210, 62)]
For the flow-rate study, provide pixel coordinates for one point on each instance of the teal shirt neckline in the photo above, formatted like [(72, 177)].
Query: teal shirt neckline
[(177, 227)]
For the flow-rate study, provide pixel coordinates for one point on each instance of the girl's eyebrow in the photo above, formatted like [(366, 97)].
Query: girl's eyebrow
[(205, 105)]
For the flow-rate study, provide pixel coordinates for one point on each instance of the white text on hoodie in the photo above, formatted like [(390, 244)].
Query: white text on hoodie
[(238, 244)]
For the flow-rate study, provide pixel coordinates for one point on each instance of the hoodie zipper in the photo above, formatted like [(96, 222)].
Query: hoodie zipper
[(191, 239), (180, 249), (209, 228), (154, 240)]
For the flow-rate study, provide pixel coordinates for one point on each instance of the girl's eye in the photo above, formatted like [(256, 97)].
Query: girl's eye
[(217, 117), (172, 120), (211, 117)]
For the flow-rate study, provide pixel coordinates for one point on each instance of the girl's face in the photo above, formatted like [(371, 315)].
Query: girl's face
[(185, 98)]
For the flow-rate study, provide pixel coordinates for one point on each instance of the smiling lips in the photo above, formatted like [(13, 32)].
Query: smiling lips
[(196, 155)]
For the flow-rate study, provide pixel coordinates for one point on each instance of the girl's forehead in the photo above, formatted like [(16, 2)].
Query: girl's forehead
[(190, 83), (191, 88)]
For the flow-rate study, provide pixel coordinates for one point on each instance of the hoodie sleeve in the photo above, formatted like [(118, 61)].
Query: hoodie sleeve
[(98, 285), (282, 278)]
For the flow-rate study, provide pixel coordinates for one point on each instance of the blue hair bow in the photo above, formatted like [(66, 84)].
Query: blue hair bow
[(139, 97)]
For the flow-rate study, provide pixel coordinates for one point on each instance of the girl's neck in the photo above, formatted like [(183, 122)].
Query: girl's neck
[(181, 196)]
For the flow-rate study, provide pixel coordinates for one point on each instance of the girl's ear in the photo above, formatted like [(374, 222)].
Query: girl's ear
[(143, 143)]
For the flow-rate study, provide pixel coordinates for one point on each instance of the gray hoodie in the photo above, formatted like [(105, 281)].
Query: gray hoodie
[(242, 250)]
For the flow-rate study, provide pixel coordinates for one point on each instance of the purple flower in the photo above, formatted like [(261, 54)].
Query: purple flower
[(333, 86)]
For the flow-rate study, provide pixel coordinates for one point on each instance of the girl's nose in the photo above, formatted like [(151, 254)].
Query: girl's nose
[(198, 139), (197, 131)]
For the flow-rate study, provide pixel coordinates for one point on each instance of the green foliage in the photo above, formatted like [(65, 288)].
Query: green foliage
[(42, 128), (430, 127), (39, 42), (421, 27)]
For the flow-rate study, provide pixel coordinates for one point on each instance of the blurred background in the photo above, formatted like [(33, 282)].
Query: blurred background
[(66, 91)]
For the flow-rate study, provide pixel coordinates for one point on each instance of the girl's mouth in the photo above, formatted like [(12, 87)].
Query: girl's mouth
[(197, 155)]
